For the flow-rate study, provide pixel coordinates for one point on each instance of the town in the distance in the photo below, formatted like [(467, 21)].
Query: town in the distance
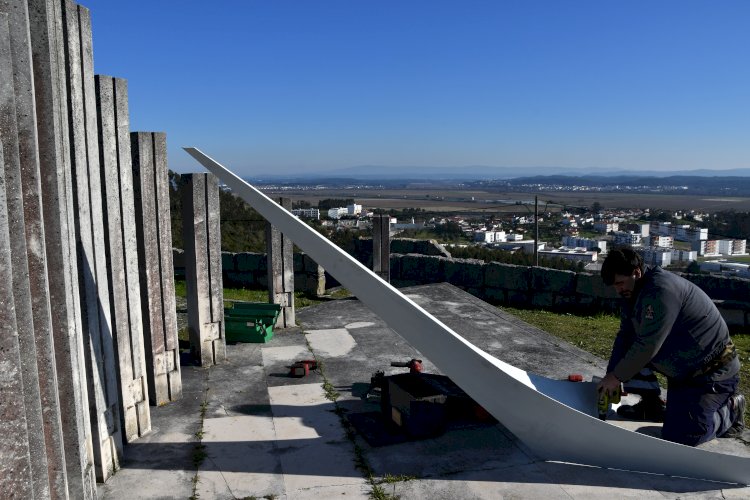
[(564, 219)]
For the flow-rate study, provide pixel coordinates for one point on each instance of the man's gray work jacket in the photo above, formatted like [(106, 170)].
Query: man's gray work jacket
[(673, 326)]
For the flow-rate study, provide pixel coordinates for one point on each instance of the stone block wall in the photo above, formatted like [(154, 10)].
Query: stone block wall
[(250, 270), (551, 289), (502, 284)]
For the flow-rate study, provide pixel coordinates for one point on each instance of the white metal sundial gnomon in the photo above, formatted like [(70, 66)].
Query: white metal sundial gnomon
[(556, 419)]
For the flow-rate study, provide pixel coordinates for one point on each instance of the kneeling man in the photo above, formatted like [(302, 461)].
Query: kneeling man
[(671, 326)]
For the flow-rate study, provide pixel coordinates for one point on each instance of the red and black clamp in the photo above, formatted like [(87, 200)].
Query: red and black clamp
[(414, 365), (302, 368)]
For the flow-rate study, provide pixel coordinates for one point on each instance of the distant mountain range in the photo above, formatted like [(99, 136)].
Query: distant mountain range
[(478, 172)]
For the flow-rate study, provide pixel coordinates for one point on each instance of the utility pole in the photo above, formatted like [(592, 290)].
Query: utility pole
[(536, 231)]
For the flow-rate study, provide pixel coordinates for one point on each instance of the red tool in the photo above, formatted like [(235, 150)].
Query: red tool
[(302, 368), (575, 377), (414, 365)]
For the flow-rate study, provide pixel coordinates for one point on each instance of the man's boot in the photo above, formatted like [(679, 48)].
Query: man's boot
[(650, 408), (737, 408)]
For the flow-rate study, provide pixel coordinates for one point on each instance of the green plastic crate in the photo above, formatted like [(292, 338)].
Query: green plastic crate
[(250, 322)]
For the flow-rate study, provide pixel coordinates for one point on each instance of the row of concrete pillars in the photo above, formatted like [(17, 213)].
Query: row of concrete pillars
[(88, 324)]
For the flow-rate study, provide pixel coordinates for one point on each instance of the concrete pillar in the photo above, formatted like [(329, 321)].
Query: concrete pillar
[(97, 326), (381, 246), (154, 236), (279, 252), (169, 307), (201, 233), (122, 254), (48, 56), (15, 460), (315, 277), (27, 253)]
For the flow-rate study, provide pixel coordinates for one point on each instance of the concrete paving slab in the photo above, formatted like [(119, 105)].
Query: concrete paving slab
[(160, 464), (594, 482), (336, 342), (351, 491), (240, 458), (314, 449), (452, 453), (526, 481)]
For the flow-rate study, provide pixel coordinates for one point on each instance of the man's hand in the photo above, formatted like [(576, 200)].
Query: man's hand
[(609, 384)]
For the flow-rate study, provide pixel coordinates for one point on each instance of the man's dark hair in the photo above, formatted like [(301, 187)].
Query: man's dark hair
[(621, 261)]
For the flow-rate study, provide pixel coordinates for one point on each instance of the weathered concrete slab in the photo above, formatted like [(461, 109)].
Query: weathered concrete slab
[(47, 43), (100, 359), (280, 256), (15, 460), (213, 246), (154, 236), (306, 427), (253, 446), (202, 240), (161, 176), (127, 200), (25, 256), (122, 253)]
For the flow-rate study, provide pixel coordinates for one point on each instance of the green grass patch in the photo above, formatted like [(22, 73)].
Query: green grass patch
[(340, 293), (595, 334), (245, 295), (741, 339)]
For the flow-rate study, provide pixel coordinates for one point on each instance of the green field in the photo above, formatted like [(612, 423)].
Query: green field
[(459, 200)]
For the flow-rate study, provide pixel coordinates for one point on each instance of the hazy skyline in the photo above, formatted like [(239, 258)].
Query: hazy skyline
[(307, 86)]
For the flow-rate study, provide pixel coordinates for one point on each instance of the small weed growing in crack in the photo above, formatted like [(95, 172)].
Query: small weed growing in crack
[(399, 478), (360, 461), (195, 495), (378, 493), (199, 455), (199, 450), (331, 393)]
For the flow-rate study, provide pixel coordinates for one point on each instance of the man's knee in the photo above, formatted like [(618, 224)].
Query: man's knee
[(690, 425), (687, 435)]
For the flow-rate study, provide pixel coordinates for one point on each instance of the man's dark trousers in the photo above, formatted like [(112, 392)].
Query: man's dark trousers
[(697, 410)]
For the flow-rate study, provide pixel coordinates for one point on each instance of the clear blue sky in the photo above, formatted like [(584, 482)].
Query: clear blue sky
[(311, 85)]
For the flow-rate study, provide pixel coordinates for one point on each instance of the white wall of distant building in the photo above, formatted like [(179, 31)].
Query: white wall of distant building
[(308, 213), (655, 256), (576, 254), (720, 247), (587, 243)]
